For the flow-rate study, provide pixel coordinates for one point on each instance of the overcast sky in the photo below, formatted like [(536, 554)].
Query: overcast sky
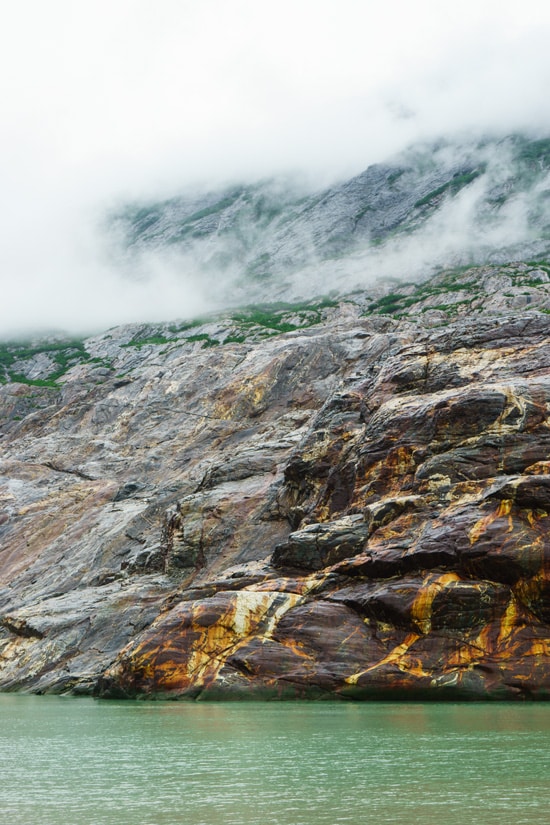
[(107, 101)]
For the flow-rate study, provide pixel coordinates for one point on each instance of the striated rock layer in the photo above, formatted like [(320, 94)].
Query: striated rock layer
[(355, 509)]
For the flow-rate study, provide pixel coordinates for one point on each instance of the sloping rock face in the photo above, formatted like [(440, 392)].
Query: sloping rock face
[(357, 509)]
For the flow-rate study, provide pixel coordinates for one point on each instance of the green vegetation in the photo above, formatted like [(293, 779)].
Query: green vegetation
[(450, 309), (396, 304), (447, 283), (461, 281), (532, 282), (65, 354), (452, 186), (535, 151), (259, 320), (185, 325), (266, 210), (219, 206), (389, 304), (276, 317), (544, 265), (101, 362), (205, 338), (159, 340), (394, 176), (152, 339), (263, 318), (17, 378), (137, 220)]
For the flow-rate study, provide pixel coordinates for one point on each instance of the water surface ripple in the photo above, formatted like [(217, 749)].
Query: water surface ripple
[(84, 762)]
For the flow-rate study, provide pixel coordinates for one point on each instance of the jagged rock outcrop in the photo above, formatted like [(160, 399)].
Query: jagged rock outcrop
[(353, 509), (424, 565)]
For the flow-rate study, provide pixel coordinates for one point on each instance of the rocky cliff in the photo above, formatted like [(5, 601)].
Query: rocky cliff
[(344, 498)]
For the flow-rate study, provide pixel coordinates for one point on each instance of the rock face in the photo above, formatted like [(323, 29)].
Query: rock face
[(358, 508)]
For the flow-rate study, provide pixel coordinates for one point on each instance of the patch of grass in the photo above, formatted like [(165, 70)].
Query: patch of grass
[(263, 318), (152, 339), (449, 309), (144, 217), (102, 362), (425, 290), (275, 316), (266, 210), (139, 220), (452, 186), (544, 265), (205, 338), (11, 351), (219, 206), (185, 325), (386, 302), (394, 176), (65, 355), (16, 378), (392, 303)]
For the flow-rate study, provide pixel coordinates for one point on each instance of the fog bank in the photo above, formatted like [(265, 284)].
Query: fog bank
[(124, 101)]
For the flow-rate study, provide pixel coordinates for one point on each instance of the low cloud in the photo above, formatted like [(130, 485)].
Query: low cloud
[(122, 101)]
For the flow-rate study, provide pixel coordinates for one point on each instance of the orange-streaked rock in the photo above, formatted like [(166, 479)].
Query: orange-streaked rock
[(358, 509)]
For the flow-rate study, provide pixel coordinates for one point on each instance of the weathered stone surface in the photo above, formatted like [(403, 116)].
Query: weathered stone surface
[(319, 545), (356, 509)]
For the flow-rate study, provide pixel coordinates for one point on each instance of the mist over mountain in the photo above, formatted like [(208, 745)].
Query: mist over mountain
[(436, 205), (124, 106), (310, 457), (431, 207), (274, 349)]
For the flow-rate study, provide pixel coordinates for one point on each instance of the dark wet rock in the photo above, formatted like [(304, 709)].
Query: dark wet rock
[(129, 490), (320, 545), (529, 492)]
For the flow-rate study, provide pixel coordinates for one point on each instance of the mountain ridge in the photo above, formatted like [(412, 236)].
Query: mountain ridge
[(469, 202), (347, 508)]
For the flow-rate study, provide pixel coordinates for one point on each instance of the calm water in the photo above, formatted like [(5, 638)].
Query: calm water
[(83, 762)]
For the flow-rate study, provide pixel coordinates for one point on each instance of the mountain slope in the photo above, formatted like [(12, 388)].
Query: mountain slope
[(345, 498), (436, 206)]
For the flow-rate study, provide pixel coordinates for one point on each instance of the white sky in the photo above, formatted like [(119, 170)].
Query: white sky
[(104, 101)]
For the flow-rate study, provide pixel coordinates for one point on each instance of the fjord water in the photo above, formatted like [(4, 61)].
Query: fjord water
[(84, 762)]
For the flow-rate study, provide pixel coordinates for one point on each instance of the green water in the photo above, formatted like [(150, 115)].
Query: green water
[(83, 762)]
